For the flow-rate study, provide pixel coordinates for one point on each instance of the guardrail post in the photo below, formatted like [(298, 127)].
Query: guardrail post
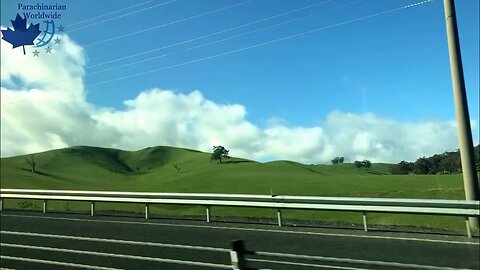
[(1, 205), (92, 209), (146, 211), (237, 255), (208, 214), (44, 206), (365, 224), (279, 217), (469, 232)]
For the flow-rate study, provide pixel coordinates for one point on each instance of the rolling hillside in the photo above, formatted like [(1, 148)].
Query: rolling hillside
[(151, 169)]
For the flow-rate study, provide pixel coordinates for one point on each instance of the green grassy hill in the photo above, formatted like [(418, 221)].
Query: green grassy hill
[(151, 169)]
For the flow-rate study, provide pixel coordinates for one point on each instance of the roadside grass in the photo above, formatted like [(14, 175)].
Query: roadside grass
[(151, 170)]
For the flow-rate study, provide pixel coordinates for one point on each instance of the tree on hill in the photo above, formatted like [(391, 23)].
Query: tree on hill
[(366, 164), (178, 168), (357, 164), (337, 160), (435, 163), (449, 164), (32, 163), (219, 152), (404, 167), (422, 166), (446, 163)]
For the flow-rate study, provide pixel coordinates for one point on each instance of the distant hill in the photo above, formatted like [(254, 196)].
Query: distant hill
[(152, 169)]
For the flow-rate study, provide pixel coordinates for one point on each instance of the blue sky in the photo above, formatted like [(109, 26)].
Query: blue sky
[(395, 66)]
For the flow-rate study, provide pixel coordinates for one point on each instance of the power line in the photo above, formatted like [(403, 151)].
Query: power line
[(254, 46), (170, 23), (110, 13), (264, 43), (228, 38), (123, 15), (209, 35), (199, 15)]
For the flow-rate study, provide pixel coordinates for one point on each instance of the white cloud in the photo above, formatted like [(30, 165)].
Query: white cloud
[(366, 136), (44, 107)]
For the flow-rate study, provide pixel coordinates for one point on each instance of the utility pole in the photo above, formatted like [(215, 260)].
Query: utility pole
[(470, 178)]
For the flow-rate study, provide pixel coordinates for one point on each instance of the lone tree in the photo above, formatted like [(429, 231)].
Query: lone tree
[(362, 164), (366, 164), (178, 168), (337, 160), (31, 163), (219, 152)]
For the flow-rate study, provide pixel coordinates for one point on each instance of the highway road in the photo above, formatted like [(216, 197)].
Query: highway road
[(57, 241)]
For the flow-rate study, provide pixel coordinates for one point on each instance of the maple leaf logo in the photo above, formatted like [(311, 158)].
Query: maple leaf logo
[(21, 35)]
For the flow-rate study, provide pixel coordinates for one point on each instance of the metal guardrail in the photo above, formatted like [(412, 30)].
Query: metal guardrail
[(262, 198), (362, 205)]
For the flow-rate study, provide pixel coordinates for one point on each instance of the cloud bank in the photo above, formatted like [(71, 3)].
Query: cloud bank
[(44, 107)]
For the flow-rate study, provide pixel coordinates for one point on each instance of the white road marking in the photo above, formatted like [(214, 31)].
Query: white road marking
[(355, 261), (117, 255), (116, 241), (258, 253), (84, 266), (251, 229), (308, 264)]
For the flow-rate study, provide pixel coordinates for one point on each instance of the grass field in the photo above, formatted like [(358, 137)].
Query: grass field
[(151, 169)]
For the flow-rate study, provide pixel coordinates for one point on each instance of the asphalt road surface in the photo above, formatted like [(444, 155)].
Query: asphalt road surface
[(55, 241)]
